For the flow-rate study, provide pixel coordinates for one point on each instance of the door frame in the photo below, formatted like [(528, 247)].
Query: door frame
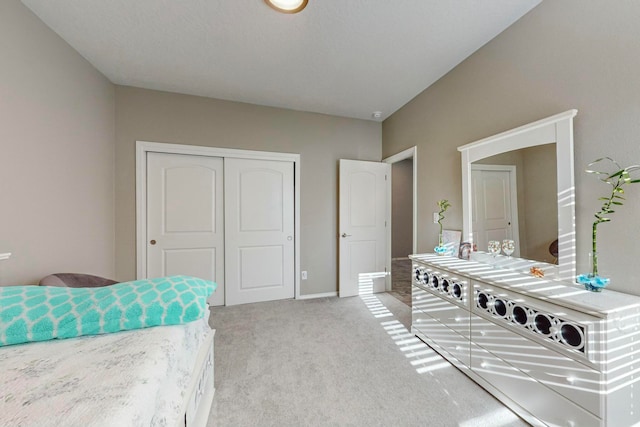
[(513, 195), (409, 153), (143, 147)]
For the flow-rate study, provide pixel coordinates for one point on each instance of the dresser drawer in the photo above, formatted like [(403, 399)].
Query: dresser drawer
[(204, 386), (446, 339), (450, 315), (569, 332), (450, 287), (420, 298), (573, 380), (548, 406)]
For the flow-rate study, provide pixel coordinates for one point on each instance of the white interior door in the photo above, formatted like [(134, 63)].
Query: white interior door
[(362, 226), (259, 214), (494, 205), (185, 226)]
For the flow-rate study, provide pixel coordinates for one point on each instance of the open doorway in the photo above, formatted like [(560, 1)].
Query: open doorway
[(402, 231)]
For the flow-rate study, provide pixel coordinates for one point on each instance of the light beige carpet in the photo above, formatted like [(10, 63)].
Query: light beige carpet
[(338, 362)]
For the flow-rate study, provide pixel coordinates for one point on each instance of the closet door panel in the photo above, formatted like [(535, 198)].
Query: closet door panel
[(185, 227), (259, 224)]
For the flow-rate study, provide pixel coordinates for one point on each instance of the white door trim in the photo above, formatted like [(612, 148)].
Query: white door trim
[(143, 147), (403, 155)]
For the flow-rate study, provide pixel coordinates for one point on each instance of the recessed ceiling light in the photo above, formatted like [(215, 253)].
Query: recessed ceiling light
[(376, 114), (287, 6)]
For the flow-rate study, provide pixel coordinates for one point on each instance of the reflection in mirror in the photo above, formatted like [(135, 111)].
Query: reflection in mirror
[(514, 196), (519, 185)]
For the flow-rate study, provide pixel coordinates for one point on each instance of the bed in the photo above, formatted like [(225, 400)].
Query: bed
[(156, 376)]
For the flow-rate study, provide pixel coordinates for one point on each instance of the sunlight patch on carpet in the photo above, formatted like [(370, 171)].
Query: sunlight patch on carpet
[(498, 418), (420, 355)]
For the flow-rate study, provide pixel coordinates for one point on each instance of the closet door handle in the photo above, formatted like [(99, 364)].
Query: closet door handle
[(153, 242), (346, 235)]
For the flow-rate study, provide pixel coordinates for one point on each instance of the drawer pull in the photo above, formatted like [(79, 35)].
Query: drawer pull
[(628, 324), (571, 380), (484, 365), (483, 333)]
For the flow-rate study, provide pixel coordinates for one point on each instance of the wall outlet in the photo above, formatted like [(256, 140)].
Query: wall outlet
[(435, 217), (304, 275)]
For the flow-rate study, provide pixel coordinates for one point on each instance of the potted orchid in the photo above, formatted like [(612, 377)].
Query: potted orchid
[(617, 177)]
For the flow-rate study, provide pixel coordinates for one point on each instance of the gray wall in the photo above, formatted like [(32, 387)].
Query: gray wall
[(563, 54), (402, 208), (320, 140), (56, 154)]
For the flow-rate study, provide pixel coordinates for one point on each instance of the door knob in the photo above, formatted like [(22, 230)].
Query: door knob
[(345, 235), (153, 242)]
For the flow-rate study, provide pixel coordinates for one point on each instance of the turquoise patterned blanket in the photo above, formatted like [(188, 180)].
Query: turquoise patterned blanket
[(39, 313)]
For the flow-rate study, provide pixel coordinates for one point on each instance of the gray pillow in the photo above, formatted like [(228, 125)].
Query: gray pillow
[(75, 280)]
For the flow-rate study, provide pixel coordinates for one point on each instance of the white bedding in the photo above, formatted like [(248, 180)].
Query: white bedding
[(132, 378)]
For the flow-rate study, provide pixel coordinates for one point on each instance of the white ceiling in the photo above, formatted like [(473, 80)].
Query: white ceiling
[(340, 57)]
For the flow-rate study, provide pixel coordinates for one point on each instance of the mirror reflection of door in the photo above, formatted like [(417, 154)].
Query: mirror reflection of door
[(536, 205), (494, 205)]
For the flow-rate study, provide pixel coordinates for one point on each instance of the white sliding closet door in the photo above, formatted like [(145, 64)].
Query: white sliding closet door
[(259, 227), (185, 223)]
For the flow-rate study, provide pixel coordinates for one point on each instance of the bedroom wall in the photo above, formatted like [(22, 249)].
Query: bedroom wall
[(56, 154), (182, 119), (561, 55)]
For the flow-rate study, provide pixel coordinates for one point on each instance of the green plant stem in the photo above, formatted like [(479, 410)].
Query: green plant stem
[(443, 205), (594, 254), (606, 208), (616, 179)]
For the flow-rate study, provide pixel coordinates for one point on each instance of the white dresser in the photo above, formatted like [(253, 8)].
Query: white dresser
[(556, 354)]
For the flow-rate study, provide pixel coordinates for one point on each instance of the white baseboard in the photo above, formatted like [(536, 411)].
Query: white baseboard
[(398, 259), (320, 295)]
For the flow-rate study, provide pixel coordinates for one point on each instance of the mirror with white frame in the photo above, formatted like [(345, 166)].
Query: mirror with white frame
[(519, 185)]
